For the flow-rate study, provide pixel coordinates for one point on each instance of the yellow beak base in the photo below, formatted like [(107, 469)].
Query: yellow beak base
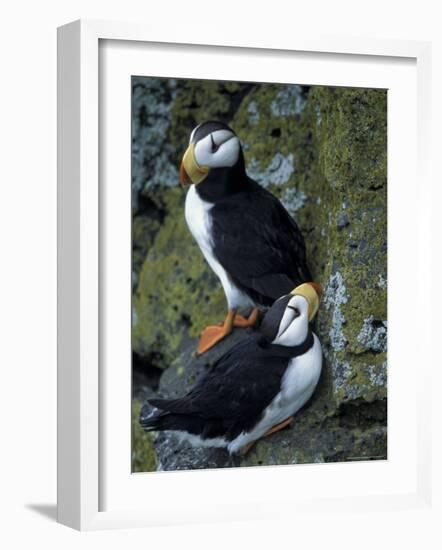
[(312, 293), (191, 168)]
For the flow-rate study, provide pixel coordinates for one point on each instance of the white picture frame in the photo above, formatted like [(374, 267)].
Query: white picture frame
[(80, 402)]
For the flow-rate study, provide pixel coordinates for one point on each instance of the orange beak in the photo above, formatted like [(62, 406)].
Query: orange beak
[(318, 288)]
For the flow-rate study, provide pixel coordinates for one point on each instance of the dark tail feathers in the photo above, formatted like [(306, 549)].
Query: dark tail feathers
[(150, 419), (157, 420), (160, 421)]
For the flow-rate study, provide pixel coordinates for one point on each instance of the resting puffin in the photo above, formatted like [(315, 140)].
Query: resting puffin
[(256, 387), (244, 232)]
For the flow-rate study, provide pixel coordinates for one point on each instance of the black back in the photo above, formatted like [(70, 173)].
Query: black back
[(259, 244), (255, 239), (232, 396)]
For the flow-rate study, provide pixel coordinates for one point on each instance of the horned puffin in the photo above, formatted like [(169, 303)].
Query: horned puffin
[(256, 387), (244, 232)]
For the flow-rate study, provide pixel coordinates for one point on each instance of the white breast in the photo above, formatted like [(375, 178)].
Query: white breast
[(297, 386), (199, 220)]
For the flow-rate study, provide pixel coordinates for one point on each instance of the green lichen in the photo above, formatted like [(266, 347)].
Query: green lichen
[(144, 229), (177, 294), (352, 157), (144, 458), (358, 434), (323, 152), (337, 137), (197, 101), (152, 153)]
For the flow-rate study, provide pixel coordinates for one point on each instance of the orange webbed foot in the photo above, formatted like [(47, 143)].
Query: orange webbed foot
[(210, 336), (250, 321), (284, 424), (215, 333)]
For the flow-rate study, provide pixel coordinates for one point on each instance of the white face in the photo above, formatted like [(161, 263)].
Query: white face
[(217, 150), (293, 327)]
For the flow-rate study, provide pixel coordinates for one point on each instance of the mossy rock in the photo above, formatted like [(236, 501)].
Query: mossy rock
[(177, 294), (318, 434), (322, 151), (144, 458)]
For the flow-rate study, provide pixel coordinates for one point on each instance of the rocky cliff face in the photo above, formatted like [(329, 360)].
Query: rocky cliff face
[(323, 152)]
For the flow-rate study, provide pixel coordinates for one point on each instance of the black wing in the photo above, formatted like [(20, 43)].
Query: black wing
[(259, 244), (235, 392)]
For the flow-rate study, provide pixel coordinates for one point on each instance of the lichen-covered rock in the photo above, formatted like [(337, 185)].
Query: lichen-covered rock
[(322, 151), (172, 452), (152, 155), (319, 433), (174, 279), (352, 153), (144, 458), (176, 294)]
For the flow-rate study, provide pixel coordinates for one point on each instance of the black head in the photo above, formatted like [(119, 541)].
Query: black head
[(270, 324), (206, 128), (213, 160), (286, 322)]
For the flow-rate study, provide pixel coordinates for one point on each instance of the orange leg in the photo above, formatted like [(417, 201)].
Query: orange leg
[(215, 333), (280, 426), (276, 428), (251, 320)]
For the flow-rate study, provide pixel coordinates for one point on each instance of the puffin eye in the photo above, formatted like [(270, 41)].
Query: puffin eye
[(215, 147), (295, 309)]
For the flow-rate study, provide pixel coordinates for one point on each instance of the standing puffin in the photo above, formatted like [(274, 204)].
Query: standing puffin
[(244, 232), (256, 387)]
